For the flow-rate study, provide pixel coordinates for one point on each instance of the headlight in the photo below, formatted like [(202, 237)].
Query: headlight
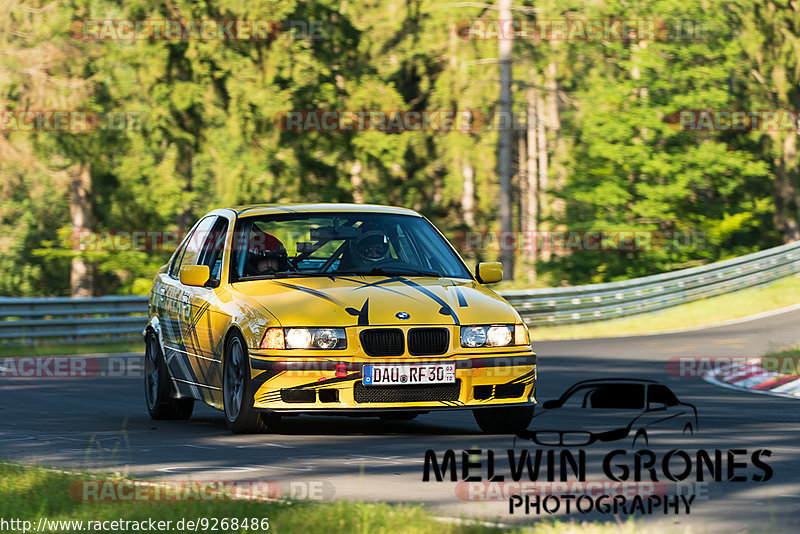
[(499, 336), (304, 338), (298, 338), (493, 336), (473, 336)]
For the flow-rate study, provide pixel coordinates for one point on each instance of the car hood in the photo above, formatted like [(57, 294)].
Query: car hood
[(376, 300)]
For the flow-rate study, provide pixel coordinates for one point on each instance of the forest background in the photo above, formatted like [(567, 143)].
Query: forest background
[(584, 138)]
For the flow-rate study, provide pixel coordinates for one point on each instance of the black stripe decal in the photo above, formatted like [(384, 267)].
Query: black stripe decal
[(318, 294), (362, 314), (462, 302), (445, 308), (378, 284)]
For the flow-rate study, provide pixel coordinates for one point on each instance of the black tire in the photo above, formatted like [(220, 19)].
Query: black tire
[(503, 420), (158, 394), (399, 416), (237, 392)]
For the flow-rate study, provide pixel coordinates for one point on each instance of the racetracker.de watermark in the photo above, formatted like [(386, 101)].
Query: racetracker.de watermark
[(133, 240), (70, 121), (486, 490), (165, 240), (69, 367), (97, 490), (197, 30), (693, 120), (475, 367), (585, 29), (390, 121), (576, 241), (733, 366), (611, 240)]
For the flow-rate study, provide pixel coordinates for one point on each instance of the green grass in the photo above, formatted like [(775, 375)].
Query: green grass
[(702, 312), (28, 493), (785, 361), (68, 350), (790, 352)]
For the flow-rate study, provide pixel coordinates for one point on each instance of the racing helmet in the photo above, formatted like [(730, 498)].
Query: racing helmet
[(372, 245), (262, 245)]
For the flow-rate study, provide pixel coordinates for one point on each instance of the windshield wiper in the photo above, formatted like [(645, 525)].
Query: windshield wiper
[(394, 271)]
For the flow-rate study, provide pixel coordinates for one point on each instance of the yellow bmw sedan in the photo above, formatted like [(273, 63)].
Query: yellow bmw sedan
[(336, 309)]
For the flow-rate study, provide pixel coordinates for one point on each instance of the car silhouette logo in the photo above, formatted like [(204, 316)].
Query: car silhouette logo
[(611, 409), (402, 315)]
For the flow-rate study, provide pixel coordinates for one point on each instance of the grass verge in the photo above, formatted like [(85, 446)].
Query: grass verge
[(785, 361), (29, 493), (702, 312), (789, 352)]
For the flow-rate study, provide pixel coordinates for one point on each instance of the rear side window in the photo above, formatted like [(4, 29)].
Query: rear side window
[(214, 247), (192, 245)]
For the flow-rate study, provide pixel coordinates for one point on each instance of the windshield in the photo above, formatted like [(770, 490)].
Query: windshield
[(326, 244)]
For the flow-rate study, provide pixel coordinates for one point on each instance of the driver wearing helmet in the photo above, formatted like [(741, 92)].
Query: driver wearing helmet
[(266, 254), (371, 246)]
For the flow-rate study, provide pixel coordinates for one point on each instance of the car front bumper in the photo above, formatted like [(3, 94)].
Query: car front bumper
[(326, 385)]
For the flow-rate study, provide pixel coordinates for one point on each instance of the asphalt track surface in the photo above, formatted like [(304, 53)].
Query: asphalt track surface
[(101, 423)]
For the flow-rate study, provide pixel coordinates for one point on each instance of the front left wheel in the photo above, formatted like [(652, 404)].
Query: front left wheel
[(157, 387), (237, 392)]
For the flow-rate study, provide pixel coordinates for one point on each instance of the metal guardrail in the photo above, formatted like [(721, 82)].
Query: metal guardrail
[(28, 321), (593, 302)]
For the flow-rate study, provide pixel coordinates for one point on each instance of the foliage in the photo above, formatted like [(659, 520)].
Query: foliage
[(210, 135)]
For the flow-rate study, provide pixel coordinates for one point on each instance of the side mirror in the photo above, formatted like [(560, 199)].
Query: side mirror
[(488, 272), (655, 406), (195, 275), (549, 405)]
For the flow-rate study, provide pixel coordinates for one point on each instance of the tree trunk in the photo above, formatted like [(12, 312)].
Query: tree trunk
[(556, 172), (541, 149), (184, 170), (521, 183), (532, 190), (468, 193), (80, 210), (355, 182), (504, 145)]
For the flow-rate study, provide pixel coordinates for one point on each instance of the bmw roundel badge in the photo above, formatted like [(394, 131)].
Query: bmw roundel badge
[(402, 315)]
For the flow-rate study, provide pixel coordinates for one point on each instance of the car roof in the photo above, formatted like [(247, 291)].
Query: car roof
[(263, 209)]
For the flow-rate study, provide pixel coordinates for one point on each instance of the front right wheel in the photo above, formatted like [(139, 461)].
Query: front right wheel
[(237, 392), (508, 420)]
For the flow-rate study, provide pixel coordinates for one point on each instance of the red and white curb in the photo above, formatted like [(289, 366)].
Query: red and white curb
[(750, 375)]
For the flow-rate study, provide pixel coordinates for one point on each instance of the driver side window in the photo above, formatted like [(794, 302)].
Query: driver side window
[(192, 245), (214, 247)]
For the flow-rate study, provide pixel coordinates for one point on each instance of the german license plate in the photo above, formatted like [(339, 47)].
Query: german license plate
[(407, 374)]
